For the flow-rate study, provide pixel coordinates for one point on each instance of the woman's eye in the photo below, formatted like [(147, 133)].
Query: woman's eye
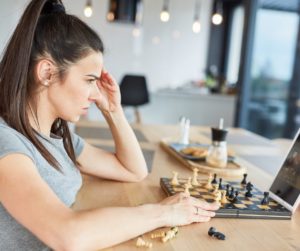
[(91, 81)]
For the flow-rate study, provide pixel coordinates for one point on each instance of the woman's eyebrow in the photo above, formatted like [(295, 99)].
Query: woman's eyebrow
[(94, 76)]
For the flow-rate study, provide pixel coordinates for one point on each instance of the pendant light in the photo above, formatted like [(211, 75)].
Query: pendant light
[(196, 24), (88, 9), (164, 14), (217, 17)]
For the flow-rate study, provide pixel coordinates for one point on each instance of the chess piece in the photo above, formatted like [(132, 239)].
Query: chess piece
[(214, 181), (216, 188), (195, 176), (208, 185), (231, 194), (236, 200), (223, 198), (170, 234), (213, 232), (189, 182), (265, 200), (158, 235), (174, 181), (218, 196), (244, 181), (187, 189), (220, 184), (142, 243), (227, 189), (217, 153), (249, 188)]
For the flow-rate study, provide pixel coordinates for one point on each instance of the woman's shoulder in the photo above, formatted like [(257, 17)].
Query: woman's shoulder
[(12, 141)]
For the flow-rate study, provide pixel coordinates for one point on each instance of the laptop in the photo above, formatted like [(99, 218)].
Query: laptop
[(285, 188)]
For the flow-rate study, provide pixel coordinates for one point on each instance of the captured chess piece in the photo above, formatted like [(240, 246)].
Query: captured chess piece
[(213, 232), (217, 153), (142, 243), (160, 234), (170, 234)]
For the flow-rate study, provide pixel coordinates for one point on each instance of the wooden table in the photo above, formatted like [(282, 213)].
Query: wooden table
[(241, 234)]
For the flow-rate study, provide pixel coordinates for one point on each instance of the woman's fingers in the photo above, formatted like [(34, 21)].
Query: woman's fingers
[(198, 218), (204, 213), (203, 204)]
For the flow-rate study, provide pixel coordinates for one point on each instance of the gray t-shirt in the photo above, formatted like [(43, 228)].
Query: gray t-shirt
[(65, 184)]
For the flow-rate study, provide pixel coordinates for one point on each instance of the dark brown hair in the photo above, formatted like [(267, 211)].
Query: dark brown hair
[(44, 29)]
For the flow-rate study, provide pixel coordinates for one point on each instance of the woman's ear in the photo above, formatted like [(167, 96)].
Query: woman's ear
[(44, 71)]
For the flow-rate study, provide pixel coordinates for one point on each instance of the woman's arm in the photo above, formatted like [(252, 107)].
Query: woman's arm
[(32, 203), (126, 164)]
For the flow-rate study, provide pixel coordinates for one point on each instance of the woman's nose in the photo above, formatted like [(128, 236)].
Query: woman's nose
[(95, 92)]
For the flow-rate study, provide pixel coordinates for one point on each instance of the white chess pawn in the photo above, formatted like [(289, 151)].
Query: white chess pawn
[(209, 180), (195, 176), (216, 188), (189, 182), (187, 189), (218, 196), (224, 199), (174, 181)]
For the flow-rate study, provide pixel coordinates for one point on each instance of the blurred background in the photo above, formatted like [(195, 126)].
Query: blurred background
[(202, 59)]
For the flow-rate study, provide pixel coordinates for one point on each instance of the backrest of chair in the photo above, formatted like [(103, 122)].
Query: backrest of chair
[(134, 90)]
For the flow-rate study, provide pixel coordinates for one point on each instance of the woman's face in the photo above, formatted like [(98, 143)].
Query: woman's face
[(71, 98)]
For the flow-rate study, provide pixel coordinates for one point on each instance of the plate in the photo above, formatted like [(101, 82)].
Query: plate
[(178, 147)]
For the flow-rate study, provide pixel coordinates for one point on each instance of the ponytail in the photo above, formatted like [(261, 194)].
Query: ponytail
[(42, 29)]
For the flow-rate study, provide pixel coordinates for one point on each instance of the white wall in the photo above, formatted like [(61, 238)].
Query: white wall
[(170, 63)]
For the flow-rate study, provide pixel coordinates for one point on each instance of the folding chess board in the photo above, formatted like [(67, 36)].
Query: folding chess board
[(247, 207)]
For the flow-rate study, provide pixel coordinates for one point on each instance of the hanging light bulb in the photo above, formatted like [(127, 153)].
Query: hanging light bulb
[(196, 24), (217, 17), (88, 10), (165, 15)]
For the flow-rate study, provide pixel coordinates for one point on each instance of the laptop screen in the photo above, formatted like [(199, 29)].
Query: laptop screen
[(287, 182)]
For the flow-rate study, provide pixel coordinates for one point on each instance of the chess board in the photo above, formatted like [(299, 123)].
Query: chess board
[(247, 207)]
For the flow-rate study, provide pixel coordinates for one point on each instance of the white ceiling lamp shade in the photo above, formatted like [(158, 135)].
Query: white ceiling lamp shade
[(217, 17), (196, 27), (88, 9), (165, 14)]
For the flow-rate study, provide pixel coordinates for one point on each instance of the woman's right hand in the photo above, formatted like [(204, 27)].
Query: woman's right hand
[(182, 209)]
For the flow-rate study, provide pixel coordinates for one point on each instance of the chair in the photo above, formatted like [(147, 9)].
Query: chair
[(134, 93)]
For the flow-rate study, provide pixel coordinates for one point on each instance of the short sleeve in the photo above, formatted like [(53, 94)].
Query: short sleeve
[(13, 142), (78, 144)]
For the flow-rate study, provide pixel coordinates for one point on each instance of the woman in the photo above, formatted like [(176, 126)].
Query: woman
[(50, 73)]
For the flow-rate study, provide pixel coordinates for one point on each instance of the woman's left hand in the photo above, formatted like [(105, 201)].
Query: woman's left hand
[(110, 97)]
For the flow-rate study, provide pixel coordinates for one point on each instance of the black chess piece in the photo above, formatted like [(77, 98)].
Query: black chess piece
[(236, 199), (231, 195), (249, 188), (265, 200), (220, 184), (244, 181), (227, 190), (213, 232), (214, 181)]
